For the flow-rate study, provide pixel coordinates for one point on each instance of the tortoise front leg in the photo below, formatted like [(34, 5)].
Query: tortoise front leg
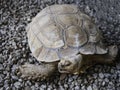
[(90, 60), (37, 72), (108, 58)]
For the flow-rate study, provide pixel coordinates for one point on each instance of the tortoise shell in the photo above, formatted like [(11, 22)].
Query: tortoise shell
[(63, 30)]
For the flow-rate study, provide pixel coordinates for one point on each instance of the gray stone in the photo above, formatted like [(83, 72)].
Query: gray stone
[(112, 70), (77, 88), (1, 88), (103, 83), (107, 75), (89, 88), (36, 85), (17, 85), (15, 78), (1, 58), (101, 75), (95, 87), (106, 80), (70, 79), (14, 67), (1, 67), (27, 88), (83, 87), (48, 88), (87, 9), (95, 75), (13, 88), (33, 87), (43, 86), (61, 88), (20, 80), (7, 88), (66, 85), (28, 83), (118, 66), (1, 78)]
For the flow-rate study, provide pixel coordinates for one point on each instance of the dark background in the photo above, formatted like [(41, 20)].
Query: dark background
[(14, 50)]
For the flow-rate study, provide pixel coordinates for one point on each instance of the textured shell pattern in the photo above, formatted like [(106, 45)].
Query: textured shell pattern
[(61, 31)]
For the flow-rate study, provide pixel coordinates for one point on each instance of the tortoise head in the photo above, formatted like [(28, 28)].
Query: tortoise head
[(70, 64)]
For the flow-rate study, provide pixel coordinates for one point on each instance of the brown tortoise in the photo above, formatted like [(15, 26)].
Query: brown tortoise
[(64, 39)]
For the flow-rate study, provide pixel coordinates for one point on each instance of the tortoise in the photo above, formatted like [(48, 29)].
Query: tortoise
[(65, 39)]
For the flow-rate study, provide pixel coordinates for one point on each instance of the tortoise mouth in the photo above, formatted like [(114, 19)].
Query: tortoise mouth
[(61, 70)]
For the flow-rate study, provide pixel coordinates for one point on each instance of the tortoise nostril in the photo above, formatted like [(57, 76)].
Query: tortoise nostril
[(60, 69), (62, 65)]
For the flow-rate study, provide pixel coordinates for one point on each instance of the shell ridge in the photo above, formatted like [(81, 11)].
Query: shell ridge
[(37, 37), (50, 30), (61, 26)]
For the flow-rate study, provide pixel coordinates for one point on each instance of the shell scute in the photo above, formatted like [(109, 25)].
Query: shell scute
[(59, 26), (75, 36)]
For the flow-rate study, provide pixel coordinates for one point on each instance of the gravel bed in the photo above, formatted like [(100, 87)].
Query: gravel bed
[(14, 50)]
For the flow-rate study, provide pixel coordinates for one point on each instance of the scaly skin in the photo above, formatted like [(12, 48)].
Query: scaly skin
[(44, 71), (37, 72), (90, 60)]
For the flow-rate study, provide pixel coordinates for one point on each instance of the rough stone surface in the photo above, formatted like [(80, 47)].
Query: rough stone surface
[(14, 50), (89, 88)]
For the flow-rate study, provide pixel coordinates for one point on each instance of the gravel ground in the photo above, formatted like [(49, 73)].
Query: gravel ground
[(14, 50)]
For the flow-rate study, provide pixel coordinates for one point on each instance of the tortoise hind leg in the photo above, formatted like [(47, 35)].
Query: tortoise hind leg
[(37, 72)]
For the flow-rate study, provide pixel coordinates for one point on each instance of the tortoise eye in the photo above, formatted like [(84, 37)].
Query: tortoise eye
[(67, 63)]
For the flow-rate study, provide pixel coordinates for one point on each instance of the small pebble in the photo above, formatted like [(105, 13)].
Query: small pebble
[(77, 88), (17, 85), (89, 88), (101, 75)]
